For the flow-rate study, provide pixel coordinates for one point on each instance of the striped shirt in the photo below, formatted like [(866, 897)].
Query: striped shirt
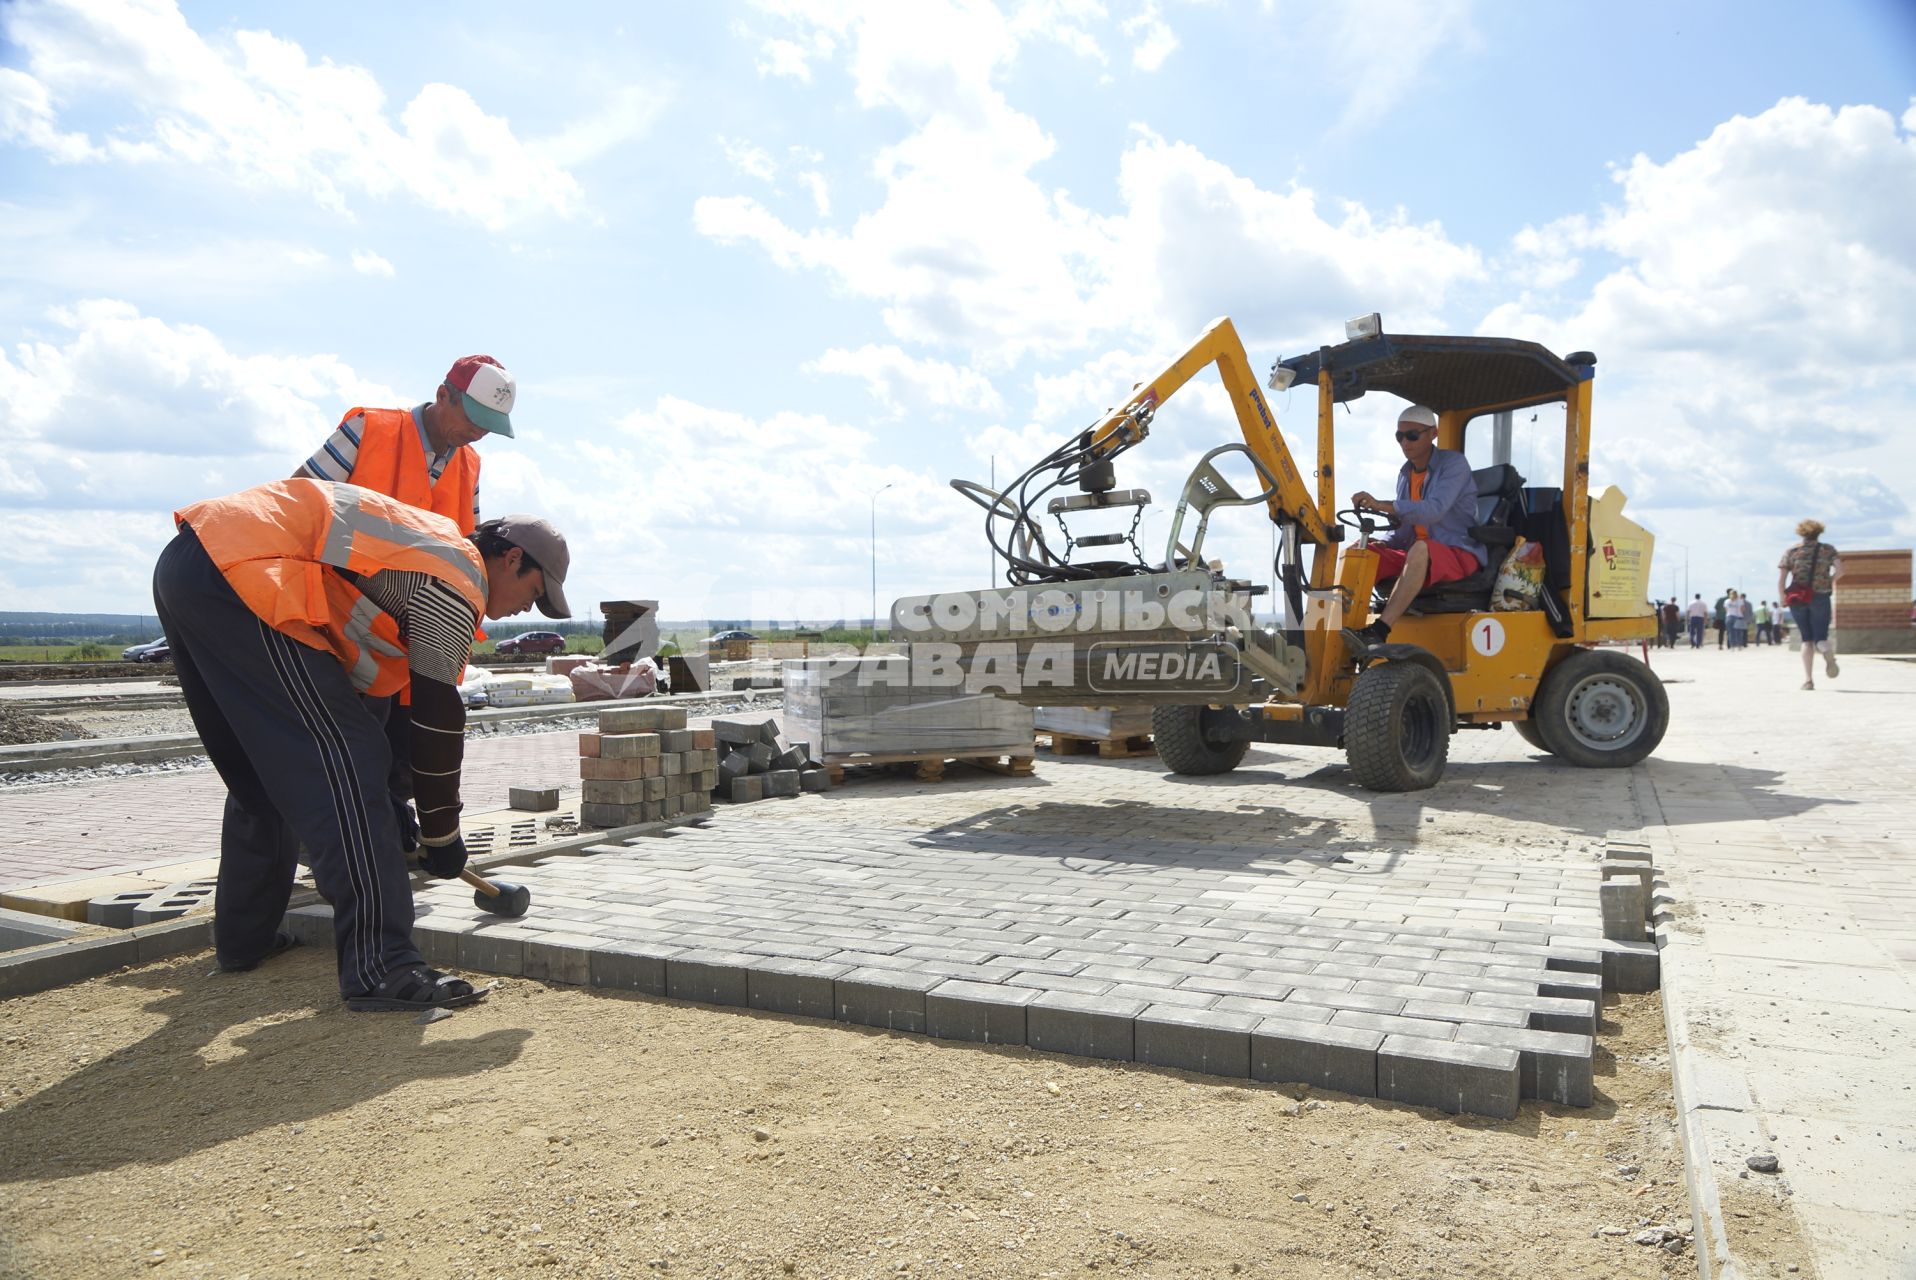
[(437, 625), (336, 457)]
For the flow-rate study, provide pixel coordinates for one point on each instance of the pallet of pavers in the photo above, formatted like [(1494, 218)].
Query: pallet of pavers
[(1110, 732), (755, 765), (858, 711), (644, 765)]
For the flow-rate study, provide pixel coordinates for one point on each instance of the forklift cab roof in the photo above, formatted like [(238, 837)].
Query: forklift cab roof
[(1448, 374)]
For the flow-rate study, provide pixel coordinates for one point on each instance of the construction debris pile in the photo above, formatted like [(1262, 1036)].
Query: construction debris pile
[(854, 709)]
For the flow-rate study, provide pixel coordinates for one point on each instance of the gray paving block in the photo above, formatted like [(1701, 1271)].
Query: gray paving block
[(796, 986), (1572, 986), (533, 799), (1546, 1013), (170, 903), (158, 941), (748, 788), (1293, 1051), (312, 925), (761, 756), (736, 732), (1462, 1079), (631, 966), (1091, 1026), (814, 780), (1203, 1040), (493, 951), (782, 783), (1625, 909), (1273, 1009), (709, 976), (437, 947), (1391, 1024), (1347, 1000), (55, 965), (1631, 966), (1454, 1007), (982, 1012), (1555, 1067), (560, 958), (890, 998)]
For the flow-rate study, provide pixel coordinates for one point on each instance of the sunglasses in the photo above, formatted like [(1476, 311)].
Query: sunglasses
[(1412, 435)]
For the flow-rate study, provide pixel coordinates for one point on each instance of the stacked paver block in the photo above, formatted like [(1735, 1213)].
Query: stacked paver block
[(755, 765), (1870, 606), (1149, 958), (148, 906), (644, 765), (848, 707)]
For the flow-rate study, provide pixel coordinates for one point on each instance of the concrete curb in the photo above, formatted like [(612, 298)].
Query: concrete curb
[(44, 757), (42, 968)]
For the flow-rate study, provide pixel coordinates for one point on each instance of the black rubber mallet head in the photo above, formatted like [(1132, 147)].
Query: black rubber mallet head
[(500, 898)]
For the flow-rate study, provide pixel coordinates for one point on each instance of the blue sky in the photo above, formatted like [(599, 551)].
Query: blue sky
[(751, 263)]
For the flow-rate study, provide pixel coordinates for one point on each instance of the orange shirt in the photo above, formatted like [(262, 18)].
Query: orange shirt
[(1417, 495)]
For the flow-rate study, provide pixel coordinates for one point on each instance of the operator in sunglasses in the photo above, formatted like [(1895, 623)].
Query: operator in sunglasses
[(1435, 507)]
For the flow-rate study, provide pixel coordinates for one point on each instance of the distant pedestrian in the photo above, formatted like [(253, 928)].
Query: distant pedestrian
[(1662, 640), (1763, 633), (1806, 576), (1696, 615), (1718, 617), (1738, 622)]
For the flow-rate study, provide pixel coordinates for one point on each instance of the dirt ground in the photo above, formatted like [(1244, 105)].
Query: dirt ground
[(162, 1121)]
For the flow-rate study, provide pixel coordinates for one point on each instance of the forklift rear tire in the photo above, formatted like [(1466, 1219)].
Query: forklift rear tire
[(1397, 728), (1178, 733), (1527, 730), (1601, 710)]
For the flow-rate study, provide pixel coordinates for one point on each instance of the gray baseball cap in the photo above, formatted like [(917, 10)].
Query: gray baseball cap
[(538, 539)]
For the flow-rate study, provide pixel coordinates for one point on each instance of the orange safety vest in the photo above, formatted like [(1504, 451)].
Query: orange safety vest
[(275, 542), (392, 461)]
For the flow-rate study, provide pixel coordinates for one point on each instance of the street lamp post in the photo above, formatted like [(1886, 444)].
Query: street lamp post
[(874, 638)]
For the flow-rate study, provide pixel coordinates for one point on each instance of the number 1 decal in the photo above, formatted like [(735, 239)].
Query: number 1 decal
[(1487, 637)]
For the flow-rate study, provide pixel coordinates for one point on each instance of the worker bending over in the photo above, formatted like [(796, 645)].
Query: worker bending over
[(1435, 507), (292, 608)]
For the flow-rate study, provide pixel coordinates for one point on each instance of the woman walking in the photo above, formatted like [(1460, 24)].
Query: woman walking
[(1806, 575), (1733, 614)]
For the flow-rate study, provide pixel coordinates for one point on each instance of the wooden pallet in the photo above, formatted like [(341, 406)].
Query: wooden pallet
[(927, 766), (1067, 744)]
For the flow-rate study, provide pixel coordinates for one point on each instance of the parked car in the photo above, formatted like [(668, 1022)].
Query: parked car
[(533, 642), (152, 651), (723, 638)]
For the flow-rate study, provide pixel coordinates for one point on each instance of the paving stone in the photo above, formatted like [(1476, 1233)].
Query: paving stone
[(782, 782), (983, 1012), (560, 957), (1555, 1067), (710, 976), (631, 966), (1291, 1051), (1090, 1026), (1462, 1079), (890, 998), (1631, 966), (533, 799), (501, 951), (795, 986), (1546, 1013), (42, 968), (1217, 1044)]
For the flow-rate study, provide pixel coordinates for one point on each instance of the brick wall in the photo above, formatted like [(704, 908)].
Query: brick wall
[(1870, 606)]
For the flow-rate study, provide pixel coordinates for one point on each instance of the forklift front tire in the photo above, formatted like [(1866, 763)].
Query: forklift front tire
[(1397, 727), (1178, 733), (1599, 709)]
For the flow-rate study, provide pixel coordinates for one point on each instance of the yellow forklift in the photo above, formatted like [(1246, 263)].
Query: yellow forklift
[(1175, 632)]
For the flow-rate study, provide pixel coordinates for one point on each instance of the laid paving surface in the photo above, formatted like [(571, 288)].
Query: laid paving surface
[(1091, 911)]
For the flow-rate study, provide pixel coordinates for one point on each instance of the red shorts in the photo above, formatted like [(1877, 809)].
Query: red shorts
[(1447, 563)]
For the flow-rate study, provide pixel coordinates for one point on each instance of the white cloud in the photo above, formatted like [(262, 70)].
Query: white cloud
[(967, 248), (258, 110), (749, 160), (128, 411), (821, 193), (1384, 71), (623, 114), (368, 263), (900, 383), (1155, 39)]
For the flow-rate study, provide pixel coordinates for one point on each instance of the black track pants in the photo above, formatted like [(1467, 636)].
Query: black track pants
[(305, 763)]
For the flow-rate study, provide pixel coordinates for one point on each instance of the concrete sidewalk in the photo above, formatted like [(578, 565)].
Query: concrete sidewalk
[(1786, 824)]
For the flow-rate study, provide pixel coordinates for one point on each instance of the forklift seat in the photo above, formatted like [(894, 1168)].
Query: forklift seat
[(1499, 512)]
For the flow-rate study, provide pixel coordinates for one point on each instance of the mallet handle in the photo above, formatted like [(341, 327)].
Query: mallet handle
[(479, 882)]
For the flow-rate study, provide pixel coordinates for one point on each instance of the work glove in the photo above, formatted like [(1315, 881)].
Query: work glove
[(408, 825), (444, 861)]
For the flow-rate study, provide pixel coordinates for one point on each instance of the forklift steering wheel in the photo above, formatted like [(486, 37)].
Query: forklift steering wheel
[(1366, 522)]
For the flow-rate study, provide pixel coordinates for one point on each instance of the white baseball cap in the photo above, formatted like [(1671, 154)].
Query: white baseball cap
[(1422, 415)]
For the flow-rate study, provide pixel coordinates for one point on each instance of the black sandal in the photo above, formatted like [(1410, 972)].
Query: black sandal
[(415, 988), (282, 942)]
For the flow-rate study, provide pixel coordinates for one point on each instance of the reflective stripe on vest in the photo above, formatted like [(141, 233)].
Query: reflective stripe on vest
[(391, 460), (274, 544)]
